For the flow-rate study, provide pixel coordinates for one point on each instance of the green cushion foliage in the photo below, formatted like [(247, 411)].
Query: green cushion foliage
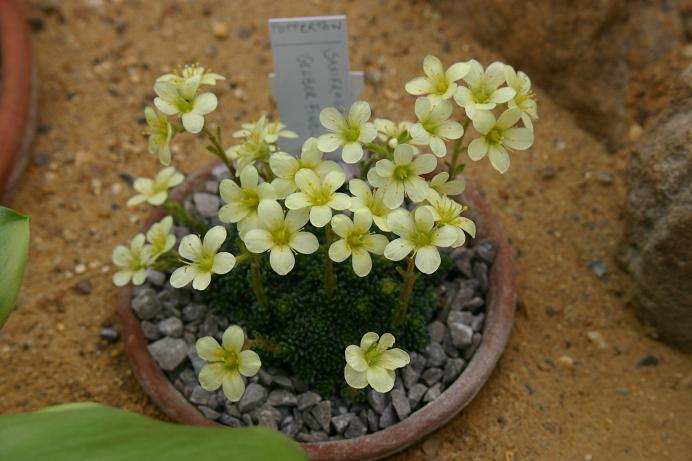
[(310, 331)]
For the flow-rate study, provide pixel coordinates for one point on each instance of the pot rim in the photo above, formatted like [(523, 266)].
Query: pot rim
[(18, 96), (500, 309)]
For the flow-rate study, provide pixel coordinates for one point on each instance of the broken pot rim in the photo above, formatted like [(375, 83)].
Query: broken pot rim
[(500, 309)]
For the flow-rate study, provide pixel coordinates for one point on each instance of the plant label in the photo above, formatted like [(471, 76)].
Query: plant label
[(311, 72)]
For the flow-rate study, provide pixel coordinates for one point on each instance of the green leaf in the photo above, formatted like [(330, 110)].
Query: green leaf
[(92, 432), (14, 251)]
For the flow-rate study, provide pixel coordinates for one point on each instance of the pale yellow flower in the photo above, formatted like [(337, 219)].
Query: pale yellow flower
[(524, 99), (285, 166), (155, 191), (499, 136), (441, 183), (189, 71), (483, 92), (202, 259), (437, 84), (402, 176), (418, 234), (229, 363), (183, 98), (133, 262), (347, 132), (434, 127), (319, 195), (374, 362), (370, 201), (160, 237), (447, 212), (390, 132), (242, 200), (356, 241), (160, 134), (280, 235)]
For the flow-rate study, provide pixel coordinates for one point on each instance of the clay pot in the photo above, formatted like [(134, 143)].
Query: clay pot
[(18, 94), (500, 310)]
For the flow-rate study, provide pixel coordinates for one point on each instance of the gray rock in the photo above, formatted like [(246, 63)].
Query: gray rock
[(150, 330), (480, 272), (308, 399), (464, 317), (208, 412), (486, 251), (341, 422), (230, 421), (373, 420), (453, 368), (299, 386), (146, 305), (477, 322), (432, 375), (110, 334), (356, 428), (290, 427), (199, 396), (265, 378), (377, 400), (156, 278), (409, 376), (388, 417), (416, 393), (433, 393), (323, 414), (212, 187), (255, 395), (437, 331), (282, 398), (604, 178), (171, 326), (197, 362), (267, 416), (401, 403), (194, 312), (435, 355), (475, 342), (247, 420), (464, 294), (450, 349), (282, 381), (599, 268), (209, 327), (188, 377), (168, 352), (417, 362), (311, 421), (462, 260), (206, 204), (462, 335), (474, 304)]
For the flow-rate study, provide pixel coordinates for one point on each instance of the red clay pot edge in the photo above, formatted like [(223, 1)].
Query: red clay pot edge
[(500, 316), (18, 96)]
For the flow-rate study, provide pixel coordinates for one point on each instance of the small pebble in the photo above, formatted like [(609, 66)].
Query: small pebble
[(597, 338), (604, 178), (308, 399), (401, 403), (254, 396), (84, 286), (599, 268), (219, 29), (548, 172), (416, 393), (647, 361), (109, 334)]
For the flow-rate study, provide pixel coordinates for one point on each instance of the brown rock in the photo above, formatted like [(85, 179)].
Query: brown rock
[(657, 246)]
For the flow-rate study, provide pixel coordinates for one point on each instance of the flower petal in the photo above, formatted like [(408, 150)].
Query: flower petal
[(205, 103), (193, 122), (122, 278), (394, 358), (249, 363), (233, 339), (375, 243), (329, 142), (296, 219), (355, 379), (424, 164), (477, 149), (333, 120), (518, 138), (355, 358), (233, 386), (182, 276), (223, 263), (386, 341), (214, 238), (209, 349), (368, 339), (281, 259), (320, 215), (457, 71), (339, 251), (499, 158), (361, 262), (352, 152), (305, 243), (432, 66), (398, 249), (359, 113), (427, 259), (211, 376), (509, 118), (258, 240), (416, 188), (483, 121), (201, 280), (381, 379), (418, 86)]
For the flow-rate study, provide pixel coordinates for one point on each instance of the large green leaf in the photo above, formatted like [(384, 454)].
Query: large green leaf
[(14, 250), (92, 432)]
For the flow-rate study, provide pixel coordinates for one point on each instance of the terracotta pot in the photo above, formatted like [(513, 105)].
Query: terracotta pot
[(18, 94), (500, 307)]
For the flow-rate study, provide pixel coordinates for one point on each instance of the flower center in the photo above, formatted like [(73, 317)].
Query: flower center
[(351, 133), (440, 84), (281, 236), (429, 125), (372, 355), (495, 136), (250, 199), (184, 105), (421, 239), (230, 360), (481, 94), (205, 262), (355, 239), (402, 172)]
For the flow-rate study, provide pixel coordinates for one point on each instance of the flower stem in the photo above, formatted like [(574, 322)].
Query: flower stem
[(457, 150), (217, 149), (329, 282), (256, 280), (178, 211), (165, 261), (409, 279)]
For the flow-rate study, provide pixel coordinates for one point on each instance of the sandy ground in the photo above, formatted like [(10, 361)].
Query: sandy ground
[(556, 395)]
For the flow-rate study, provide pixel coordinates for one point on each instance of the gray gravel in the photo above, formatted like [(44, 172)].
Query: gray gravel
[(173, 319)]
